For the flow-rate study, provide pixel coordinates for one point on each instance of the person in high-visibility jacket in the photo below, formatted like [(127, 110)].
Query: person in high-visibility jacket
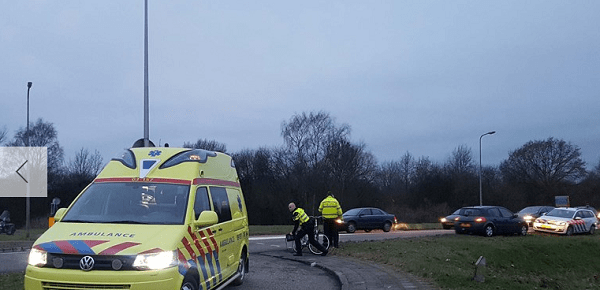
[(303, 225), (331, 211)]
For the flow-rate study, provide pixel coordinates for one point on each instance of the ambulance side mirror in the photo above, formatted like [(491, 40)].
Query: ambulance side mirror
[(60, 213), (207, 218)]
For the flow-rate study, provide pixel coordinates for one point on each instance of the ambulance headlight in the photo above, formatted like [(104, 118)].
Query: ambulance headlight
[(37, 257), (155, 261)]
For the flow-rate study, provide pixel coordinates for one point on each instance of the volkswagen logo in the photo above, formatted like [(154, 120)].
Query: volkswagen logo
[(86, 263)]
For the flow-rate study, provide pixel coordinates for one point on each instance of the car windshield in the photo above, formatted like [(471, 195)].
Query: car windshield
[(130, 203), (354, 211), (470, 211), (563, 213), (530, 209)]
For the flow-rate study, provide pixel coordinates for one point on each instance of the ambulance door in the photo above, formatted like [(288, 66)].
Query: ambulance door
[(239, 220), (205, 242), (224, 231)]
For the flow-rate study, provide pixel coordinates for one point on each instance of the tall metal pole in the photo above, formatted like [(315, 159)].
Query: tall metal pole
[(27, 201), (29, 84), (480, 186), (146, 101)]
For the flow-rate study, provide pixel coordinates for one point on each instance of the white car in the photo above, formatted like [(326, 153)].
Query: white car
[(568, 221)]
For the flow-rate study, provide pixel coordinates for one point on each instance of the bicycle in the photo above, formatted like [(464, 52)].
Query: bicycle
[(320, 237)]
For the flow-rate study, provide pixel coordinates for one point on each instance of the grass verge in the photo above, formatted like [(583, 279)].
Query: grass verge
[(12, 281), (531, 262)]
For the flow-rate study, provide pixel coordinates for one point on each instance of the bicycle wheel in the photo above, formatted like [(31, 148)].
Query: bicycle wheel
[(303, 243), (321, 239)]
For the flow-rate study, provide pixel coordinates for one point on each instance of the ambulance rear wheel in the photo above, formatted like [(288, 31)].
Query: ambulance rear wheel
[(189, 283), (241, 271)]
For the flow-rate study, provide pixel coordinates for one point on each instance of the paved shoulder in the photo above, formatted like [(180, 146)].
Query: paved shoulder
[(354, 274)]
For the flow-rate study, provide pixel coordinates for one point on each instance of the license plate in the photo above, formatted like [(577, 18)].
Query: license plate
[(546, 227), (465, 225)]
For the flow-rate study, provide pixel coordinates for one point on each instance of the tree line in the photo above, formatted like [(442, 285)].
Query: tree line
[(317, 156)]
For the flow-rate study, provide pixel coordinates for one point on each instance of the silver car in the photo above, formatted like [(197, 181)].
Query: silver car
[(568, 221)]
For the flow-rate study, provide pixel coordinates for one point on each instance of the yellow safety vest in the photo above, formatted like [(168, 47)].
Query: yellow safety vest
[(300, 215), (330, 208)]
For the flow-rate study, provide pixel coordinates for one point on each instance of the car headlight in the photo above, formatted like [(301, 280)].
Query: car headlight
[(37, 257), (339, 221), (155, 261), (443, 220), (562, 223), (527, 217)]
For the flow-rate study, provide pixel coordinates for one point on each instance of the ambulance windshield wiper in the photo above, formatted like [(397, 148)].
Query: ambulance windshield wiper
[(77, 221), (124, 222)]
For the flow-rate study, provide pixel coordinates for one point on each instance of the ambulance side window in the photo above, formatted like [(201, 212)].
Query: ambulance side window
[(221, 203), (202, 202)]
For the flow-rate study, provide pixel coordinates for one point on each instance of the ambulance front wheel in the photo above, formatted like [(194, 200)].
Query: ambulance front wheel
[(189, 283), (241, 272)]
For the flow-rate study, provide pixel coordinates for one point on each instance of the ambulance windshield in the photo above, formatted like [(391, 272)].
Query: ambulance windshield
[(131, 203)]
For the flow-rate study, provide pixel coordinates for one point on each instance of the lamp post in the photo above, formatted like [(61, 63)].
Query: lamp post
[(29, 84), (27, 201), (146, 101), (480, 186)]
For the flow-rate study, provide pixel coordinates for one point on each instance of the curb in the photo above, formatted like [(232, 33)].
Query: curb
[(374, 273), (341, 279)]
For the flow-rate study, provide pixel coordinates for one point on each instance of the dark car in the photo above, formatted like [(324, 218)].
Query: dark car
[(367, 219), (448, 221), (530, 213), (489, 221)]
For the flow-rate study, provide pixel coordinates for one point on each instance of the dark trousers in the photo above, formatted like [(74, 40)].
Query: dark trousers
[(331, 231), (308, 228)]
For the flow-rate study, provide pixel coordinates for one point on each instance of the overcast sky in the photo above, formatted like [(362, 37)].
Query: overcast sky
[(408, 76)]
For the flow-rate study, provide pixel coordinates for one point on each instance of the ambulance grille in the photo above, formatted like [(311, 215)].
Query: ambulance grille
[(70, 286), (101, 262)]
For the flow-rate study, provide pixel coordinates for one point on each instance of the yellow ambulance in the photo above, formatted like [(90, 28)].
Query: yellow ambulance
[(154, 218)]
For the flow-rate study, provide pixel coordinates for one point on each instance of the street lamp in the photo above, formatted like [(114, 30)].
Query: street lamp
[(480, 187), (29, 84), (27, 202), (146, 101)]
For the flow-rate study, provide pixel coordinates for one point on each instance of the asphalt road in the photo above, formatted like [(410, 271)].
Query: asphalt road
[(267, 271)]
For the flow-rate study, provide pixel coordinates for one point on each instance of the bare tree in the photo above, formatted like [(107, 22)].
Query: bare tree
[(407, 170), (548, 166), (3, 134), (85, 165), (461, 161), (389, 174), (462, 175), (205, 144), (42, 134), (545, 163), (308, 135), (346, 163), (306, 138)]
